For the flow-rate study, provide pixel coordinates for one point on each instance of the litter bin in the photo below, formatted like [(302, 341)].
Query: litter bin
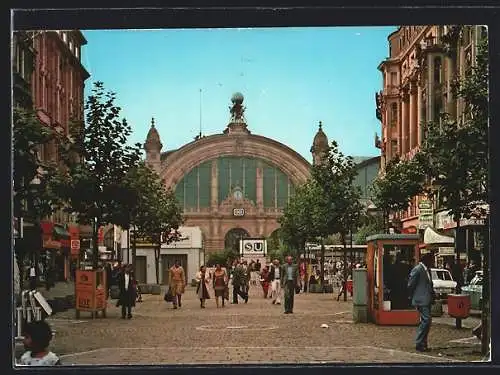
[(459, 305)]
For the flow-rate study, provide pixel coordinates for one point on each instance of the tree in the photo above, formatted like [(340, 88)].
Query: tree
[(155, 212), (336, 175), (33, 180), (455, 153), (93, 185), (370, 226), (401, 181)]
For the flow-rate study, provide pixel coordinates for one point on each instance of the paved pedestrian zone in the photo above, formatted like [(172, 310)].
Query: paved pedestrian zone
[(254, 333)]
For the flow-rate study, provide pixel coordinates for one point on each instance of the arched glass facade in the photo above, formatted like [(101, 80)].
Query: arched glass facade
[(195, 189)]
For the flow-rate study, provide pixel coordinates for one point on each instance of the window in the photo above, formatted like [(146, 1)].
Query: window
[(394, 115), (397, 264), (437, 70), (394, 78), (394, 147), (441, 275)]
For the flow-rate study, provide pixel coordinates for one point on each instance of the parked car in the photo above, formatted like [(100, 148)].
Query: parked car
[(443, 282), (475, 290)]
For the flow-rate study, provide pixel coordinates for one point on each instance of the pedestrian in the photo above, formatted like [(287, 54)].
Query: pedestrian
[(264, 280), (37, 337), (177, 283), (275, 277), (32, 276), (303, 274), (290, 280), (239, 284), (220, 280), (422, 296), (202, 278), (127, 296)]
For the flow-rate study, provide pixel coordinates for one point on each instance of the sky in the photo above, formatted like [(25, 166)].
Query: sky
[(291, 78)]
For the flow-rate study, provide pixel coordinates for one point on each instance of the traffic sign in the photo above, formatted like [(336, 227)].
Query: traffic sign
[(75, 244)]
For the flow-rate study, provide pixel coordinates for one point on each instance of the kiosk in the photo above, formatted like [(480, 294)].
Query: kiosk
[(91, 292), (390, 259)]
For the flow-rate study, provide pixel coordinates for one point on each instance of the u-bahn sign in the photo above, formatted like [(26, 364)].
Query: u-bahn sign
[(253, 246)]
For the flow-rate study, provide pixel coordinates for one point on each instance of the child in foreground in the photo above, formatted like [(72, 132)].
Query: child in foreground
[(37, 336)]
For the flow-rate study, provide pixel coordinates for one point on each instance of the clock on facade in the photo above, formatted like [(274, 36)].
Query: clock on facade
[(238, 194)]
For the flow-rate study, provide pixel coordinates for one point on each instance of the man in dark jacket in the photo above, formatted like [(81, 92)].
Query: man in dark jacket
[(239, 283), (127, 292)]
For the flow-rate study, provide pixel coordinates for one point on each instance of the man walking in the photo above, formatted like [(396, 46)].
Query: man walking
[(422, 296), (275, 279), (127, 292), (239, 284), (289, 278)]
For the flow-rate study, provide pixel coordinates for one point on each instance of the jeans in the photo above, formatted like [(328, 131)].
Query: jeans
[(424, 326), (276, 290)]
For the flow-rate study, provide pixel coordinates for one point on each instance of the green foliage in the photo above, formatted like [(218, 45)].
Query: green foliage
[(341, 198), (371, 225), (222, 257), (401, 181), (93, 186), (33, 201), (455, 153)]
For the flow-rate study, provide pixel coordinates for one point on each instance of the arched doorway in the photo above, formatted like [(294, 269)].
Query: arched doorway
[(233, 237)]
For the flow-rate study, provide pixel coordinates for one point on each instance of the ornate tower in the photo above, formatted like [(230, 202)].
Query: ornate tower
[(237, 124), (153, 148), (320, 146)]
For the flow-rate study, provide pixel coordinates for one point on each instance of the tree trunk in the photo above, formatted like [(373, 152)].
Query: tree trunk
[(322, 265), (95, 245), (345, 267), (134, 248), (157, 260)]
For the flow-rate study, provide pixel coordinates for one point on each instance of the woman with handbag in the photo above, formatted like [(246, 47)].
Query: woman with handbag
[(220, 281), (202, 277)]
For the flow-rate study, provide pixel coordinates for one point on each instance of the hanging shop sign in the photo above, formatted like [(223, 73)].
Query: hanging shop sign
[(426, 214), (445, 221)]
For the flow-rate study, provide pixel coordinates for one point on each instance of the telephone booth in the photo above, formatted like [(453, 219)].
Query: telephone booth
[(390, 259)]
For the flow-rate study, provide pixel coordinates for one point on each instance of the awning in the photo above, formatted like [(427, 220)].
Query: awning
[(60, 232), (431, 237)]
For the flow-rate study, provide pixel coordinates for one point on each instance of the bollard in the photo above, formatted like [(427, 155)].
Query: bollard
[(38, 313), (19, 322)]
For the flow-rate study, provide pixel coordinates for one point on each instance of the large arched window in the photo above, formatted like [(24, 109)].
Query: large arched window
[(233, 237)]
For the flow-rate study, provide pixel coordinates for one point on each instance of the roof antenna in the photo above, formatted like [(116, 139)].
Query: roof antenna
[(200, 114)]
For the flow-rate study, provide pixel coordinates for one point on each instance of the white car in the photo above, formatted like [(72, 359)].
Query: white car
[(443, 282)]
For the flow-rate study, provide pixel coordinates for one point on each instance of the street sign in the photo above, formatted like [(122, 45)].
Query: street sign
[(426, 214), (75, 244)]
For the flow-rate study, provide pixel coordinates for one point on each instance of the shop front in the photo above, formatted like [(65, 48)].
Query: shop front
[(469, 237), (54, 261)]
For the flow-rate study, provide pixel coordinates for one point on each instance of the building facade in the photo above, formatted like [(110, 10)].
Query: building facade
[(418, 77), (49, 78), (234, 184)]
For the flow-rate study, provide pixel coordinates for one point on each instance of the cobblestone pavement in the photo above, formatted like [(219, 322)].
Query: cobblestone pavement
[(257, 332)]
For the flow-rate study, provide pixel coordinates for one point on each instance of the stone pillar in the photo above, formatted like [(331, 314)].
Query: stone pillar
[(260, 186), (413, 116), (450, 101), (215, 186), (404, 127), (430, 88), (420, 118)]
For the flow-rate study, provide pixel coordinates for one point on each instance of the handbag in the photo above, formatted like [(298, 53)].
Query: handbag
[(168, 296)]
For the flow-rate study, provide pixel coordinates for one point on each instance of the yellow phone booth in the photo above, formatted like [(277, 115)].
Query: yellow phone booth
[(390, 259)]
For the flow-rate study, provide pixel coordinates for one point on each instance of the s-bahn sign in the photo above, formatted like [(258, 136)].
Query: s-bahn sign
[(253, 246)]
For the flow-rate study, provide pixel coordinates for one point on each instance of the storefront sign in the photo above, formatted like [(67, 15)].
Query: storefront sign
[(253, 247), (445, 221), (51, 244), (426, 214), (446, 251)]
